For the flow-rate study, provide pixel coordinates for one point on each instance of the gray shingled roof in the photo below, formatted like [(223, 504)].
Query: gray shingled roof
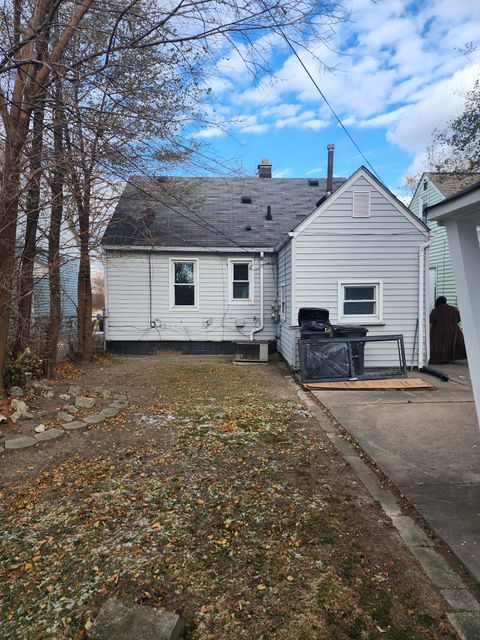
[(208, 212), (450, 184)]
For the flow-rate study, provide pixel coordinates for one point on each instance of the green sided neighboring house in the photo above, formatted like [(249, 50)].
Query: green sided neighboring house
[(431, 189)]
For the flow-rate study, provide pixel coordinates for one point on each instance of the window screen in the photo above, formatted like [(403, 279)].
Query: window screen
[(359, 300), (184, 284), (241, 280)]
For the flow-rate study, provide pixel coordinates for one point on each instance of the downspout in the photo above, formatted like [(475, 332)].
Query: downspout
[(260, 327), (421, 301), (105, 302)]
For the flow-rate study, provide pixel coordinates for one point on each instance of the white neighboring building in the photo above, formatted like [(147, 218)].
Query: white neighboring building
[(460, 216), (201, 263)]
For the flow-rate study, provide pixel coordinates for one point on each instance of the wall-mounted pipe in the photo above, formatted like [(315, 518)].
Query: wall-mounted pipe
[(260, 327), (421, 302)]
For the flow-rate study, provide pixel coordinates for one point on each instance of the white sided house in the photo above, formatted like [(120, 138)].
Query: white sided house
[(202, 263)]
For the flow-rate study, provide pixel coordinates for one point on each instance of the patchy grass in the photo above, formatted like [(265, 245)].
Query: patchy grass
[(240, 516)]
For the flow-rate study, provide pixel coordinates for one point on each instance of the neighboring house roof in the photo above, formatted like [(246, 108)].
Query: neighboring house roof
[(451, 183), (470, 189), (208, 212)]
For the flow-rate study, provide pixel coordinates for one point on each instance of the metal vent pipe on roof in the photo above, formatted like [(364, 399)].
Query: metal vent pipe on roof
[(269, 213), (330, 148)]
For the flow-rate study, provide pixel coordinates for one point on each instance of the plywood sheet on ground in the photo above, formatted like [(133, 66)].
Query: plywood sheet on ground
[(387, 383)]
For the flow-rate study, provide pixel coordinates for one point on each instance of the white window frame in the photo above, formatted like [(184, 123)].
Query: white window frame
[(251, 279), (185, 307), (376, 318), (283, 302), (355, 195)]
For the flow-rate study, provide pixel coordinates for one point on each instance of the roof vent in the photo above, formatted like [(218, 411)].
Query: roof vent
[(269, 213), (246, 200), (313, 183), (248, 227)]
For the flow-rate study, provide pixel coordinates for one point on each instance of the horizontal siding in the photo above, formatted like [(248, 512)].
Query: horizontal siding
[(286, 335), (383, 247), (68, 283), (439, 253), (128, 297)]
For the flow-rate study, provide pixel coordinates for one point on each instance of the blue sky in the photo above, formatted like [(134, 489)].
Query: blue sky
[(393, 73)]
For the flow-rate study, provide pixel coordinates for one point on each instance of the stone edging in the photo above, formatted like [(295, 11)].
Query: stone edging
[(23, 442)]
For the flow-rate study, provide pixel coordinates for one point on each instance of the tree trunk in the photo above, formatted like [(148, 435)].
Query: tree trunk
[(9, 199), (56, 187), (84, 308), (25, 288)]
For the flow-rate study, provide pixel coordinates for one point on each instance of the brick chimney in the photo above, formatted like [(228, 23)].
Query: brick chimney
[(264, 169)]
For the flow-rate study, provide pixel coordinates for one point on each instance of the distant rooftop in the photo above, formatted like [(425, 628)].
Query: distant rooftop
[(452, 183)]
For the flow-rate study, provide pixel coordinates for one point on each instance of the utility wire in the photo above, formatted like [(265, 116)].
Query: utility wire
[(294, 51)]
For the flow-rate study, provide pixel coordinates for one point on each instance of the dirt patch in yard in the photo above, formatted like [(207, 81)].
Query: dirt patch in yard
[(216, 495)]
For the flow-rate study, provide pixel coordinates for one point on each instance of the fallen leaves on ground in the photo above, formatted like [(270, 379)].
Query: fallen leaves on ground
[(242, 519)]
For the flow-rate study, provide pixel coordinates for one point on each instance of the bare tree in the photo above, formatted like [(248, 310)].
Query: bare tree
[(110, 58)]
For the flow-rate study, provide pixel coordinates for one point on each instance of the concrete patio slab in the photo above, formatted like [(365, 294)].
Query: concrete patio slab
[(428, 444)]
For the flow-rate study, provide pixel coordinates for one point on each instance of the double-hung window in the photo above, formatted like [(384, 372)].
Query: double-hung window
[(360, 301), (184, 284), (241, 281)]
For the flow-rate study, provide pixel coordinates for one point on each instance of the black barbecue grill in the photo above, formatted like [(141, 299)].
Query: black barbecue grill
[(321, 359)]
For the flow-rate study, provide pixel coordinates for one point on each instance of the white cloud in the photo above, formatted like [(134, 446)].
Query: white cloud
[(209, 132), (438, 103), (281, 173), (255, 128), (315, 124), (315, 170), (396, 67)]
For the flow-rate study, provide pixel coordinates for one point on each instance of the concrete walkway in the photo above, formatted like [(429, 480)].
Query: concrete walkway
[(428, 444)]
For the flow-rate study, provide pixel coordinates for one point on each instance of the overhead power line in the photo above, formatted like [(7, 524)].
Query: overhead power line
[(336, 116)]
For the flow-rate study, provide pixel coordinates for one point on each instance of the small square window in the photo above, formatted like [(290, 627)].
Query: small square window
[(359, 301)]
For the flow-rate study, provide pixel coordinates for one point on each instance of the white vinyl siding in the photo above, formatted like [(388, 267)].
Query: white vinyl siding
[(286, 343), (337, 247), (127, 282)]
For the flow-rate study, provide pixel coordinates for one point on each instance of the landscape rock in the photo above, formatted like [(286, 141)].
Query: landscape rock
[(50, 434), (93, 419), (119, 404), (70, 408), (75, 390), (64, 396), (48, 393), (73, 426), (20, 443), (21, 411), (109, 412), (120, 396), (2, 418), (40, 428), (134, 622), (82, 402), (16, 392), (41, 384), (106, 393), (65, 417)]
